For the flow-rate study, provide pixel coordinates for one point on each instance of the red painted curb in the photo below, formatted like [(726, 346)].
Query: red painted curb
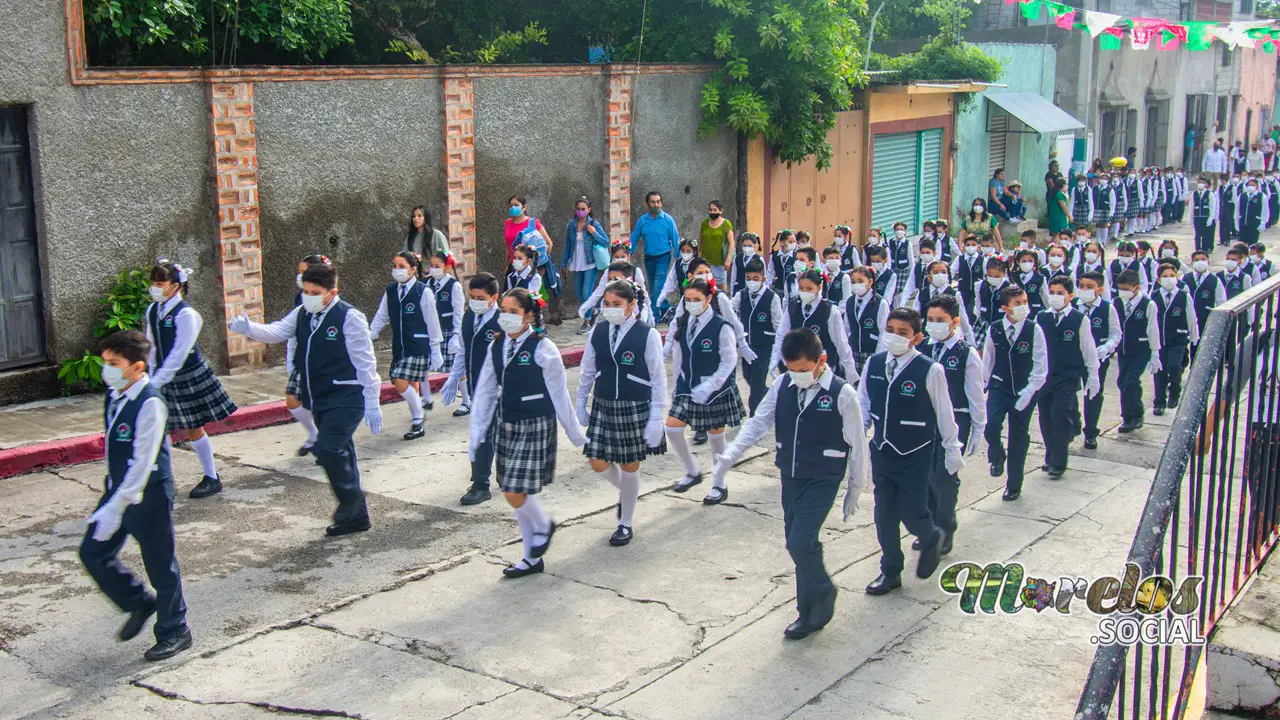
[(88, 448)]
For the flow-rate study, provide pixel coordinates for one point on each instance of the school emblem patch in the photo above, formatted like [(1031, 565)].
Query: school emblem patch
[(628, 358), (124, 432), (761, 317), (488, 335), (1097, 322), (1140, 315), (1023, 347), (869, 323), (706, 343), (524, 358), (331, 332), (168, 321), (813, 329), (1068, 335), (908, 388), (824, 402), (1177, 312), (409, 308), (953, 362)]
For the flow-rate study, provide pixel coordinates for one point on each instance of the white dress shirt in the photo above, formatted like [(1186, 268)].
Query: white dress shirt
[(882, 318), (148, 435), (768, 264), (1039, 358), (186, 326), (1213, 205), (1115, 329), (728, 354), (459, 368), (1245, 277), (1153, 323), (598, 293), (727, 310), (428, 307), (939, 395), (1088, 348), (355, 331), (1219, 294), (890, 288), (775, 308), (457, 300), (535, 285), (652, 361), (835, 328), (488, 392), (1188, 311), (974, 380)]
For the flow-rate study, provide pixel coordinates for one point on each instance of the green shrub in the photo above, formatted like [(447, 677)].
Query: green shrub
[(945, 57), (123, 306)]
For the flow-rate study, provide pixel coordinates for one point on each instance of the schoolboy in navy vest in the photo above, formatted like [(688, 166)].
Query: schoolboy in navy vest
[(948, 248), (1258, 262), (1095, 261), (990, 293), (968, 271), (291, 401), (782, 261), (1073, 362), (809, 309), (760, 312), (137, 501), (1126, 259), (939, 284), (901, 255), (1228, 193), (623, 363), (885, 283), (1252, 212), (479, 328), (1206, 288), (850, 257), (451, 301), (193, 393), (865, 314), (917, 277), (1015, 363), (1234, 278), (748, 250), (837, 279), (408, 306), (1104, 325), (1179, 329), (1139, 347), (820, 443), (905, 396), (1104, 205), (339, 383), (1204, 214), (963, 368)]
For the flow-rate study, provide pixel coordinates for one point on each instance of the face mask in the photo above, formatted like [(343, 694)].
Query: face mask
[(614, 315), (941, 280), (802, 379), (859, 289), (1087, 295), (581, 213), (878, 266), (1255, 259), (1169, 283), (686, 256), (977, 209), (1056, 260), (801, 266), (1057, 302), (114, 377), (1082, 239), (748, 251), (791, 247), (703, 276), (654, 211), (754, 286), (515, 211), (1125, 261), (838, 240), (1232, 265), (511, 322), (995, 281), (873, 240), (1202, 186), (807, 297), (313, 303), (478, 307), (1200, 266), (299, 281), (926, 258), (694, 308), (157, 293), (1027, 266), (1168, 253), (1251, 189), (1020, 313), (400, 274), (970, 250), (929, 235), (518, 264), (712, 215), (938, 330), (899, 234), (833, 266), (1080, 185), (1126, 295), (895, 344), (1091, 257), (988, 251), (436, 273)]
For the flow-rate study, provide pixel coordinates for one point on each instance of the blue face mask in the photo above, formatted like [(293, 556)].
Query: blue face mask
[(515, 211)]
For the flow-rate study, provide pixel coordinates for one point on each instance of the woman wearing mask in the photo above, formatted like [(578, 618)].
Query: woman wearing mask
[(715, 237), (584, 241), (980, 224), (521, 229), (423, 238)]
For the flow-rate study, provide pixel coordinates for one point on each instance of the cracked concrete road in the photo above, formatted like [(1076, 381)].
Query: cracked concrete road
[(413, 620)]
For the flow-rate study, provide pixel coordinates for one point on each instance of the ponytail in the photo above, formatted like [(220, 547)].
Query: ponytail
[(530, 304)]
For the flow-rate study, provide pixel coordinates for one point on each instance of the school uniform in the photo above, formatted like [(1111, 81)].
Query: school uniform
[(1172, 198), (1139, 351), (291, 385), (728, 312), (1179, 329), (909, 403), (850, 257), (476, 334), (948, 248), (1081, 204), (827, 322), (1207, 292), (929, 291), (137, 500), (1133, 198), (989, 310), (1121, 209), (1036, 287), (1104, 204), (968, 271), (1228, 197), (706, 393), (623, 373), (1261, 270), (1235, 282), (410, 310), (1073, 361), (761, 316), (450, 304), (866, 317), (1015, 364), (1252, 215), (675, 279), (178, 369), (1204, 218), (527, 278), (1253, 371), (885, 285), (780, 270), (598, 293), (902, 256), (1115, 267), (962, 366), (1104, 325), (837, 287), (1273, 202), (1091, 267)]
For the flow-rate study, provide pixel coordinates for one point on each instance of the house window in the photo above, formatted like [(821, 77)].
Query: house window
[(1246, 7), (1155, 150), (1113, 131), (1104, 6)]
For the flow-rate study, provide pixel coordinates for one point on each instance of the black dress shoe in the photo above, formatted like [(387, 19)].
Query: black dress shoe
[(1173, 403), (997, 469), (700, 437), (948, 540), (168, 648), (208, 486), (716, 496), (539, 550), (1010, 496), (427, 403), (884, 585), (686, 482), (1091, 443), (416, 430), (621, 536), (823, 610), (304, 451), (346, 528), (137, 620), (798, 630), (476, 495), (1157, 411), (462, 411), (515, 571), (1055, 473), (915, 544), (929, 559)]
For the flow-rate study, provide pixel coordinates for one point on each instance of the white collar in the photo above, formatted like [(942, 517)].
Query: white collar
[(518, 340), (626, 324), (404, 286), (133, 390), (1012, 326), (524, 272), (951, 340), (171, 303), (320, 315), (902, 359)]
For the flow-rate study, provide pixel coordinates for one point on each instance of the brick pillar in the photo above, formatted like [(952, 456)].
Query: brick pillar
[(460, 171), (617, 171), (235, 158)]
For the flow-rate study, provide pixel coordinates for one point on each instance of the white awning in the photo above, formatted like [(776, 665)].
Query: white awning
[(1036, 112)]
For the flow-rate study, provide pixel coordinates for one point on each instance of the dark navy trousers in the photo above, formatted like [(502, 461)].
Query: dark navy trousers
[(901, 484), (1130, 383), (1093, 405), (482, 468), (1001, 406), (805, 505), (944, 487), (336, 451), (1059, 405)]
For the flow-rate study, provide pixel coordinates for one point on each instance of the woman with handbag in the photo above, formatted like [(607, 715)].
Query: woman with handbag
[(586, 254), (522, 229)]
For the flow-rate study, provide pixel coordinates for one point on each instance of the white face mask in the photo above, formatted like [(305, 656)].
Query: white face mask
[(703, 276), (1202, 187), (479, 307), (1200, 266), (518, 264), (114, 377), (614, 315), (299, 281), (686, 256), (1087, 295), (977, 209), (157, 293), (1020, 313), (754, 286), (1232, 265), (791, 247), (313, 303), (899, 234), (400, 274), (878, 266), (801, 266), (1255, 259), (1169, 283), (694, 308), (895, 344), (995, 282), (859, 289), (926, 258), (802, 379), (838, 240), (941, 280), (436, 273), (1027, 266), (938, 330), (988, 251), (1168, 253), (807, 297), (833, 266), (511, 323), (970, 250), (748, 251), (1126, 295), (1251, 189), (1056, 260), (1057, 302), (1125, 261), (873, 240), (1091, 257)]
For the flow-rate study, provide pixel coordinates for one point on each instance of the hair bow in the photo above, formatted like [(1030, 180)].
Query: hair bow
[(183, 273), (542, 303)]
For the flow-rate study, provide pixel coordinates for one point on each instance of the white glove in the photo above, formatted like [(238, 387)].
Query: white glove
[(105, 521), (373, 418), (1102, 357), (954, 463), (578, 436), (773, 373), (1023, 403), (437, 359), (1154, 366), (449, 391), (583, 419), (455, 344), (850, 505), (748, 354), (653, 434), (471, 451), (701, 395), (1092, 388), (240, 324), (582, 311), (975, 440)]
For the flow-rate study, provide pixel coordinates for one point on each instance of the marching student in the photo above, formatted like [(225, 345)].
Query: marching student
[(409, 307), (1179, 329), (806, 260), (962, 366), (968, 270), (1272, 187), (1081, 202), (1259, 265), (451, 302), (902, 254), (1144, 257), (1030, 279), (926, 253), (989, 310), (850, 256), (706, 397), (1029, 243), (623, 270), (1233, 277), (1168, 256), (938, 284), (865, 313), (521, 392), (826, 445), (1095, 261), (1139, 346), (781, 261), (1228, 193), (885, 281), (1206, 288), (948, 248), (1104, 325), (760, 313), (1015, 365), (837, 278), (1204, 214), (479, 328), (623, 373), (291, 401), (907, 399), (1135, 200), (193, 393), (1246, 262), (137, 501), (1120, 210), (338, 382), (1252, 212), (1075, 251), (1104, 203), (1057, 266), (621, 253), (524, 270), (809, 309), (748, 250), (1073, 361), (681, 270), (1126, 258)]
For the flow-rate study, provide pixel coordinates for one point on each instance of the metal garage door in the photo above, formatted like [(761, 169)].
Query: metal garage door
[(906, 179), (21, 318)]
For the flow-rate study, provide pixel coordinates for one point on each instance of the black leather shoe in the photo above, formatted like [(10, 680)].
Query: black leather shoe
[(1157, 411), (716, 496), (915, 544), (823, 610), (997, 469), (884, 585), (700, 437), (304, 451), (168, 648), (355, 526), (476, 495), (137, 620), (621, 536), (1010, 496), (416, 430), (462, 411), (1173, 403), (1091, 443), (1129, 427), (929, 559), (539, 550), (798, 630), (948, 540), (515, 571), (427, 403), (208, 486), (686, 482), (1055, 473)]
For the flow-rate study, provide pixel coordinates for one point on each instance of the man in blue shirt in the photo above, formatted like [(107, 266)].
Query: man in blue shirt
[(658, 230)]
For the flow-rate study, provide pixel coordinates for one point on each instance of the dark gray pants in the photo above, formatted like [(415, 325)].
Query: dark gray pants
[(805, 505), (336, 451)]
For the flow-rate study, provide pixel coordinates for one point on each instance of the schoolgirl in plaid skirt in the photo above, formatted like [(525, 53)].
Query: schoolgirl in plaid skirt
[(622, 362), (522, 392), (291, 401), (408, 306), (442, 281), (706, 396), (191, 390)]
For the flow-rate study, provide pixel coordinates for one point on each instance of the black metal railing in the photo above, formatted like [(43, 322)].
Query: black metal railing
[(1212, 509)]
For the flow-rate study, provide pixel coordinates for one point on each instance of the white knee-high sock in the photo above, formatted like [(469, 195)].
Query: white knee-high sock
[(204, 451), (675, 437), (717, 443), (527, 533), (414, 401), (533, 508), (466, 393), (308, 423), (611, 473), (628, 496)]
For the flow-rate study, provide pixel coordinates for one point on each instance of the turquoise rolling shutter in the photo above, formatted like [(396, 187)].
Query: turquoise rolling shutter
[(894, 180), (930, 176)]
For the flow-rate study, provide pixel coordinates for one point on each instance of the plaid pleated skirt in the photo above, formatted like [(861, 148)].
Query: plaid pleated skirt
[(410, 367), (860, 360), (291, 387), (980, 327), (448, 356), (724, 410), (526, 454), (196, 398), (615, 432), (1132, 210), (902, 280)]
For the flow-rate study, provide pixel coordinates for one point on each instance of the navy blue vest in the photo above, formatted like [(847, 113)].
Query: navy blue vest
[(326, 376), (1175, 330), (757, 319), (1234, 284), (810, 442), (475, 344), (1115, 270), (1226, 203), (1134, 339), (409, 336), (929, 292), (953, 360), (901, 411), (900, 253), (835, 288), (1264, 269), (990, 298), (1080, 204), (969, 272), (1099, 320), (783, 270), (1200, 205), (885, 279), (848, 257), (623, 372), (121, 431), (528, 397), (1032, 287), (1131, 190), (1062, 340), (739, 272), (818, 323), (944, 247), (1203, 295), (164, 331), (444, 304), (1014, 357), (700, 358), (1251, 212), (515, 281), (864, 327), (1103, 202)]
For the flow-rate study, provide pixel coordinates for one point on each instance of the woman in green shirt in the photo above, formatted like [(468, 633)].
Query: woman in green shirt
[(715, 240), (1059, 213), (980, 224)]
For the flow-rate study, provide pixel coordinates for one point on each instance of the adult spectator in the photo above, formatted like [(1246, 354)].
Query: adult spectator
[(715, 241), (521, 229), (1059, 209), (658, 230), (423, 238), (1215, 161), (1255, 161), (1051, 182), (995, 189), (980, 224), (585, 244)]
